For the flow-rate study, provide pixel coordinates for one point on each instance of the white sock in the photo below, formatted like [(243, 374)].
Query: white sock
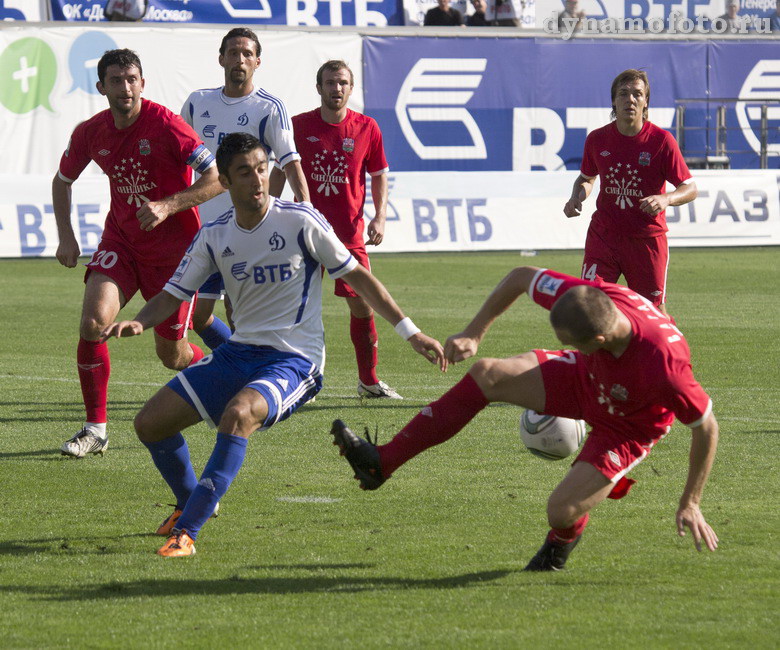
[(98, 428)]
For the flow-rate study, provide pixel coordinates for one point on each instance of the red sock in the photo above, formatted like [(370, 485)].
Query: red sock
[(561, 536), (362, 331), (436, 423), (94, 365), (197, 353)]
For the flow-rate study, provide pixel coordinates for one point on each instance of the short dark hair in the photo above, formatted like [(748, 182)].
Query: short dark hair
[(584, 312), (241, 32), (234, 144), (334, 65), (627, 76), (122, 58)]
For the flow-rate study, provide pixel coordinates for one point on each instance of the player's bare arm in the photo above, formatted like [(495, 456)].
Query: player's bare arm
[(380, 300), (293, 172), (276, 181), (68, 250), (376, 227), (682, 194), (463, 345), (152, 214), (579, 192), (704, 443), (152, 313)]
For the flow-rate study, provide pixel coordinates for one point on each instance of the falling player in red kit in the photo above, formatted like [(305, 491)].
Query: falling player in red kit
[(338, 147), (634, 159), (148, 154), (628, 377)]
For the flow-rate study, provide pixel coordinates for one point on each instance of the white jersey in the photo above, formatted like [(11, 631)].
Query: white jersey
[(213, 115), (271, 273)]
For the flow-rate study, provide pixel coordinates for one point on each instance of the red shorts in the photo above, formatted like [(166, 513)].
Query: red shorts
[(117, 262), (570, 393), (342, 289), (642, 262)]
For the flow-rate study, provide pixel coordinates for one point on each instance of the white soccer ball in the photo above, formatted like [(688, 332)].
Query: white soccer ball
[(551, 437)]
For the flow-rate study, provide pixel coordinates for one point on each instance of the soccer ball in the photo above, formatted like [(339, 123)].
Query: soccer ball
[(551, 437)]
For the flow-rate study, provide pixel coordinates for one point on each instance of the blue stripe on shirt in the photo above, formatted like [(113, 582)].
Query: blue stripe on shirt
[(311, 267), (283, 117)]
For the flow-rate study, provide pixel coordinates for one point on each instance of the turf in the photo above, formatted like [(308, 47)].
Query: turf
[(301, 558)]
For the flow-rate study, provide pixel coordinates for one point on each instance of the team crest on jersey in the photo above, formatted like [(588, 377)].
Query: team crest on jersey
[(619, 392), (277, 242), (132, 180), (243, 120), (238, 271), (348, 145), (644, 158), (144, 147), (548, 285), (622, 181)]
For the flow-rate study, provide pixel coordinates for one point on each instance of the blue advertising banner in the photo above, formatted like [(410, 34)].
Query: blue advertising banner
[(485, 104), (750, 73), (361, 13)]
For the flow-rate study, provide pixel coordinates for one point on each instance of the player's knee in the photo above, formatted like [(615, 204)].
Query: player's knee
[(562, 512), (143, 424), (238, 416), (91, 327)]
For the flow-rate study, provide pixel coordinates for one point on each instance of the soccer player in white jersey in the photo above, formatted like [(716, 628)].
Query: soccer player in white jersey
[(269, 253), (239, 106)]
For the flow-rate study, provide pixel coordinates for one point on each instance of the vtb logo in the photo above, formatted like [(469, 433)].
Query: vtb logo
[(437, 90), (760, 84)]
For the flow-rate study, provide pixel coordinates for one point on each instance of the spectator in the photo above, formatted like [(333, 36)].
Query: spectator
[(573, 14), (732, 22), (443, 16), (774, 20), (477, 19)]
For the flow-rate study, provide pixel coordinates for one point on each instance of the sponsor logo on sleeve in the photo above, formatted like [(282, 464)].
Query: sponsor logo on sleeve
[(548, 285)]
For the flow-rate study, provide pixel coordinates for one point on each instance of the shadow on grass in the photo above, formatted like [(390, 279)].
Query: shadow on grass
[(166, 588), (50, 454), (59, 411), (65, 545)]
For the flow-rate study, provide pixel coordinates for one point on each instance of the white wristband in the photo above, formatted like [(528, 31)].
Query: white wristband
[(406, 328)]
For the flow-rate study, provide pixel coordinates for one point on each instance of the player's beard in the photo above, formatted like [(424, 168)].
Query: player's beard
[(335, 104)]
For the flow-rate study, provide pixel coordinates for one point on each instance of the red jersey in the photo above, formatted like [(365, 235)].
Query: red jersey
[(640, 392), (631, 168), (335, 160), (147, 161)]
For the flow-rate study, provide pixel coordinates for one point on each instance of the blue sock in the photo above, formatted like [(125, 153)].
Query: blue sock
[(215, 334), (171, 456), (225, 461)]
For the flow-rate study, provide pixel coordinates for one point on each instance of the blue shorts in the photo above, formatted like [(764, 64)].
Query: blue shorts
[(285, 380), (212, 288)]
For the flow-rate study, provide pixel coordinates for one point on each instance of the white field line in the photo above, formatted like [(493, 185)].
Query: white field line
[(308, 499)]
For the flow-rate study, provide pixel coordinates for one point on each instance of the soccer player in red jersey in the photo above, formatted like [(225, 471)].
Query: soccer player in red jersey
[(634, 159), (338, 147), (628, 376), (148, 154)]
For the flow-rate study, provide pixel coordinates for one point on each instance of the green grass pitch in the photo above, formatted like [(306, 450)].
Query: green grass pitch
[(301, 558)]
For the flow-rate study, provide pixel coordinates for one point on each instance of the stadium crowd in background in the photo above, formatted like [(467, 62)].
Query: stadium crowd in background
[(272, 364), (339, 147), (238, 106), (443, 15), (633, 159), (628, 376), (148, 154)]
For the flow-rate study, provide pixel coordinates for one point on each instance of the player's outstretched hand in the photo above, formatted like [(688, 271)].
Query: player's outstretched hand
[(573, 208), (122, 328), (68, 253), (459, 347), (150, 215), (654, 204), (691, 517), (429, 348)]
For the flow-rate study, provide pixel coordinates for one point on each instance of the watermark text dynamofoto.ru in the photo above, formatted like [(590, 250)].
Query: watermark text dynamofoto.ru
[(677, 24)]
